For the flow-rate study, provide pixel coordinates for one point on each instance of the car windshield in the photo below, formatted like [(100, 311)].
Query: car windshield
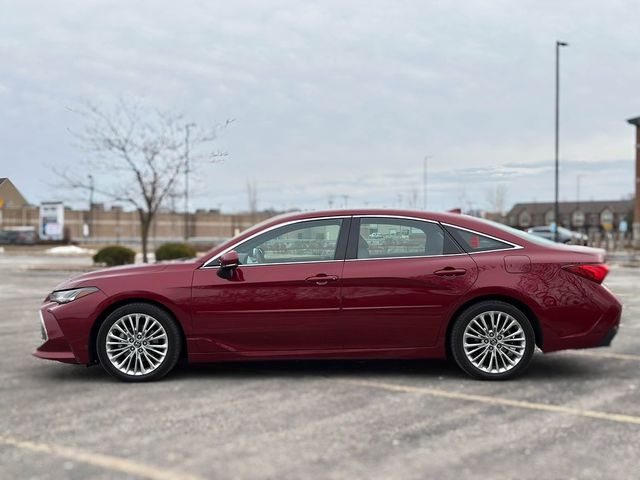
[(518, 233)]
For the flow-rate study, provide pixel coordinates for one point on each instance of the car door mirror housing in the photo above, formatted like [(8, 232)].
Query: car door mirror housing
[(229, 260)]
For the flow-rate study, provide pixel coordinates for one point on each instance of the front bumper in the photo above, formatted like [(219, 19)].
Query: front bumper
[(67, 328), (55, 346)]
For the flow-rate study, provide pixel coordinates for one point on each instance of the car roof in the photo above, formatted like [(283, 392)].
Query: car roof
[(455, 219), (445, 217)]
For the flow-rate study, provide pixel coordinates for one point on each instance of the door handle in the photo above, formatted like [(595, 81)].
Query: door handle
[(321, 279), (450, 272)]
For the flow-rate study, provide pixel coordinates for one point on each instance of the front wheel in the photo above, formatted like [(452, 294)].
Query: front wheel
[(138, 342), (492, 340)]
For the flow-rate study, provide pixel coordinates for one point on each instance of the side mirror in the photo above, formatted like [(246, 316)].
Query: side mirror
[(229, 260)]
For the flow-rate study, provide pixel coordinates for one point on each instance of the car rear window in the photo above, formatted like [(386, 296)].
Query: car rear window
[(476, 242)]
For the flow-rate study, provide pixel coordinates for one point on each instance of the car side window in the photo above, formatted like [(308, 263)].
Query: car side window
[(307, 241), (476, 242), (392, 237)]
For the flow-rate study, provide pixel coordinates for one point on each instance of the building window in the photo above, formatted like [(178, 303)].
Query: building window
[(549, 217), (606, 219), (525, 219), (577, 218)]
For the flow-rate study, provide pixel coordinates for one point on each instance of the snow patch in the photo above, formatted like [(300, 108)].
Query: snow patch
[(69, 250)]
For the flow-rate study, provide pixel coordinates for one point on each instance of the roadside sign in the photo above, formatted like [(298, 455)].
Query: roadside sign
[(52, 221)]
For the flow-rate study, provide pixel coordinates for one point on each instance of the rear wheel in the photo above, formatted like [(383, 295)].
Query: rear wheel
[(138, 342), (492, 340)]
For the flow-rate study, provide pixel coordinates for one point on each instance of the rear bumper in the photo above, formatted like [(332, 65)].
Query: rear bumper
[(600, 335), (608, 338)]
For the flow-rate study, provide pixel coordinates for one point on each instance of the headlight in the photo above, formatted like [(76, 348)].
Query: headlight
[(66, 296)]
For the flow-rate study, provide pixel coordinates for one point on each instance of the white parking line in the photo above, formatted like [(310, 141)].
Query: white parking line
[(618, 356), (108, 462), (505, 402)]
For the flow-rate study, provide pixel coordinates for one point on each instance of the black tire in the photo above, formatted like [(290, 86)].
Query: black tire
[(457, 341), (172, 348)]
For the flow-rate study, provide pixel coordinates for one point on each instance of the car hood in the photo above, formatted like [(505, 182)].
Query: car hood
[(88, 279)]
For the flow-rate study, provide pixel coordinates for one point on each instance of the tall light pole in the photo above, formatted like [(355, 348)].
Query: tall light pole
[(90, 222), (186, 179), (424, 181), (578, 178), (556, 207)]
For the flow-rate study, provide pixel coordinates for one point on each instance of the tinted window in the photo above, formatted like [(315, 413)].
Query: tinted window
[(309, 241), (475, 242), (391, 237)]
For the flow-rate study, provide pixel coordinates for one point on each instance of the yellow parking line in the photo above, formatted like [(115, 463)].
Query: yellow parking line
[(505, 402), (619, 356), (108, 462)]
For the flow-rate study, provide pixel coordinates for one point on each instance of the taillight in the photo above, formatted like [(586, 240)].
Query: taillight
[(595, 272)]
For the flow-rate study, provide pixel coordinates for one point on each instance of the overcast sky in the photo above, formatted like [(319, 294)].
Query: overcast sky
[(337, 97)]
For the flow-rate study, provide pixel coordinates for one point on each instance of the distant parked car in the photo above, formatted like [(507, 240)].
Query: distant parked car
[(564, 235), (17, 237)]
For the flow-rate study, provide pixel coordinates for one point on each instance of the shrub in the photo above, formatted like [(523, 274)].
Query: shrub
[(173, 251), (114, 255)]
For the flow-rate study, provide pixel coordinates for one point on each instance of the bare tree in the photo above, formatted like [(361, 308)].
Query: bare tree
[(141, 153), (497, 198)]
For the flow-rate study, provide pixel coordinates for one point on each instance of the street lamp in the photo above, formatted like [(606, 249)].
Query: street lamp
[(578, 178), (556, 209), (186, 180), (90, 222)]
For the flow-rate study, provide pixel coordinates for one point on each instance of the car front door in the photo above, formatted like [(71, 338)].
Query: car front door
[(400, 280), (285, 294)]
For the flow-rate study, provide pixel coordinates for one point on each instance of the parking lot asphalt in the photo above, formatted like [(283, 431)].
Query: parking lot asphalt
[(573, 414)]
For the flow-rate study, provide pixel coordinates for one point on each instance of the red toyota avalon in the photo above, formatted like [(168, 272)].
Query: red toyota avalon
[(341, 284)]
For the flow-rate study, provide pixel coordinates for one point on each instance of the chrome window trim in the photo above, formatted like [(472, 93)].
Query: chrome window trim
[(514, 246), (244, 265), (207, 264), (402, 258), (397, 216)]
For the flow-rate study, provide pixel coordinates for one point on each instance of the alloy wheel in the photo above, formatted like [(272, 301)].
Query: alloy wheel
[(136, 344), (494, 342)]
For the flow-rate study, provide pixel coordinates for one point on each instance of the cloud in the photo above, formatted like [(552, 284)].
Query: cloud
[(336, 97)]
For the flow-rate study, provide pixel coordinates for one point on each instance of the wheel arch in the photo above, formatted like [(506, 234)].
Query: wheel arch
[(93, 356), (530, 314)]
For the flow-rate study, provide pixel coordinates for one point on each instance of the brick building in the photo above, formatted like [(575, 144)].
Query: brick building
[(115, 225), (584, 216)]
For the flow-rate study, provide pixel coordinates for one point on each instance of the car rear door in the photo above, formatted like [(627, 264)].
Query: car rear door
[(284, 296), (399, 285)]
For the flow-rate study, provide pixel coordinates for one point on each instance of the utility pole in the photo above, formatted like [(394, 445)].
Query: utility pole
[(556, 207), (91, 189), (578, 178), (424, 181), (186, 180)]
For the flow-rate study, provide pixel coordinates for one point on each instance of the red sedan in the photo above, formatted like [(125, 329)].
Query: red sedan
[(341, 284)]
